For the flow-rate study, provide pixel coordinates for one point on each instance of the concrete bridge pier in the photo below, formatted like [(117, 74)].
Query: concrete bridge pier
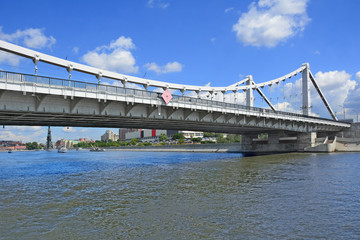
[(306, 140), (277, 142)]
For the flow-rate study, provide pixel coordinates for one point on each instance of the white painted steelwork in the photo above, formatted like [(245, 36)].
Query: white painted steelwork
[(37, 100), (72, 66), (249, 87)]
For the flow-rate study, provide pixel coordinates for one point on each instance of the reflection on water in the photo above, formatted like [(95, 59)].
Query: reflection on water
[(137, 195)]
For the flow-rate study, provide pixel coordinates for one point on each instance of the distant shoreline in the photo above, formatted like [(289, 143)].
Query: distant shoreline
[(198, 148)]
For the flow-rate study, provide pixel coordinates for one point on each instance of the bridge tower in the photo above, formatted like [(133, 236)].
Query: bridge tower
[(48, 139), (249, 92), (306, 101)]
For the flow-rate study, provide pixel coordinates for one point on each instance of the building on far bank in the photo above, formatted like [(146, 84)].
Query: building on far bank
[(192, 134), (109, 135), (66, 143), (123, 131), (12, 145), (150, 135)]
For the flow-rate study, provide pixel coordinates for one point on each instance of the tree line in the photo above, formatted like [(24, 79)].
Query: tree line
[(178, 137)]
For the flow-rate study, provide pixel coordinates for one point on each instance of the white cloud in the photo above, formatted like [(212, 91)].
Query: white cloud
[(31, 37), (213, 40), (76, 49), (270, 22), (228, 9), (114, 57), (68, 129), (286, 107), (11, 59), (352, 102), (169, 67), (158, 3), (25, 128), (336, 86), (23, 133)]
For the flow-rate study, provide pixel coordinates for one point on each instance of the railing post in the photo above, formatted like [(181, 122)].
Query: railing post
[(306, 101)]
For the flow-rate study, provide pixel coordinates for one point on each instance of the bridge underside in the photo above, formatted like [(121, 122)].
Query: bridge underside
[(106, 121), (34, 109)]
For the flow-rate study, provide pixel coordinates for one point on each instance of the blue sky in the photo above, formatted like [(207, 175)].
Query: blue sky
[(190, 42)]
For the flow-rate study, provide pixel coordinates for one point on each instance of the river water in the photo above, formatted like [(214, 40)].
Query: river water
[(149, 195)]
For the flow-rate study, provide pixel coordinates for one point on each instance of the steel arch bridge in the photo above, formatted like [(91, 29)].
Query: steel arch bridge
[(27, 99)]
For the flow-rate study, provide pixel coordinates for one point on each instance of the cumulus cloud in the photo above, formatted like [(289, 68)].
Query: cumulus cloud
[(158, 3), (353, 99), (11, 59), (23, 133), (75, 50), (336, 86), (287, 107), (228, 9), (31, 37), (114, 57), (270, 22), (169, 67)]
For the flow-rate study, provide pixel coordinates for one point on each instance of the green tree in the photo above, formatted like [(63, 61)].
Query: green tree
[(209, 134), (220, 138), (263, 136), (182, 140), (163, 137), (134, 141), (196, 140), (32, 145), (178, 136), (231, 138), (28, 146)]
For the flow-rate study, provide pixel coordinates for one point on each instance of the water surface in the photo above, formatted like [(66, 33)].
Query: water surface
[(152, 195)]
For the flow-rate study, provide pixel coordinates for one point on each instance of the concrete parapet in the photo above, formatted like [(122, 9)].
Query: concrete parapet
[(327, 146), (348, 145)]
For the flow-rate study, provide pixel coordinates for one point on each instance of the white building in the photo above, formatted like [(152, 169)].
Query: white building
[(109, 135), (192, 134), (150, 135)]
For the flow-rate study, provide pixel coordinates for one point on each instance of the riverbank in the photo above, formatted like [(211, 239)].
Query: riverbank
[(206, 148), (338, 145), (343, 145)]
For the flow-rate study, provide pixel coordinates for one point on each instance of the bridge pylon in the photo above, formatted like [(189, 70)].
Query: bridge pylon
[(306, 101), (249, 92)]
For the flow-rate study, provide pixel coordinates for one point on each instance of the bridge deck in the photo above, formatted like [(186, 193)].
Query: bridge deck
[(138, 108)]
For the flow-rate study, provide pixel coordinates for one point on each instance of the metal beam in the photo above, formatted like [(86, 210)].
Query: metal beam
[(28, 53), (317, 87)]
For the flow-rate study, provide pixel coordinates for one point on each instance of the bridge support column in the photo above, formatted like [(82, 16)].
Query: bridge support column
[(249, 92), (306, 140), (306, 106), (273, 138), (248, 138)]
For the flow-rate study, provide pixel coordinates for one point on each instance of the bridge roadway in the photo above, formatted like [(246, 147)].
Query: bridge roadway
[(45, 101)]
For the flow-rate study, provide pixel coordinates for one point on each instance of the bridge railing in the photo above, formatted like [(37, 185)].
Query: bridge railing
[(27, 79)]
